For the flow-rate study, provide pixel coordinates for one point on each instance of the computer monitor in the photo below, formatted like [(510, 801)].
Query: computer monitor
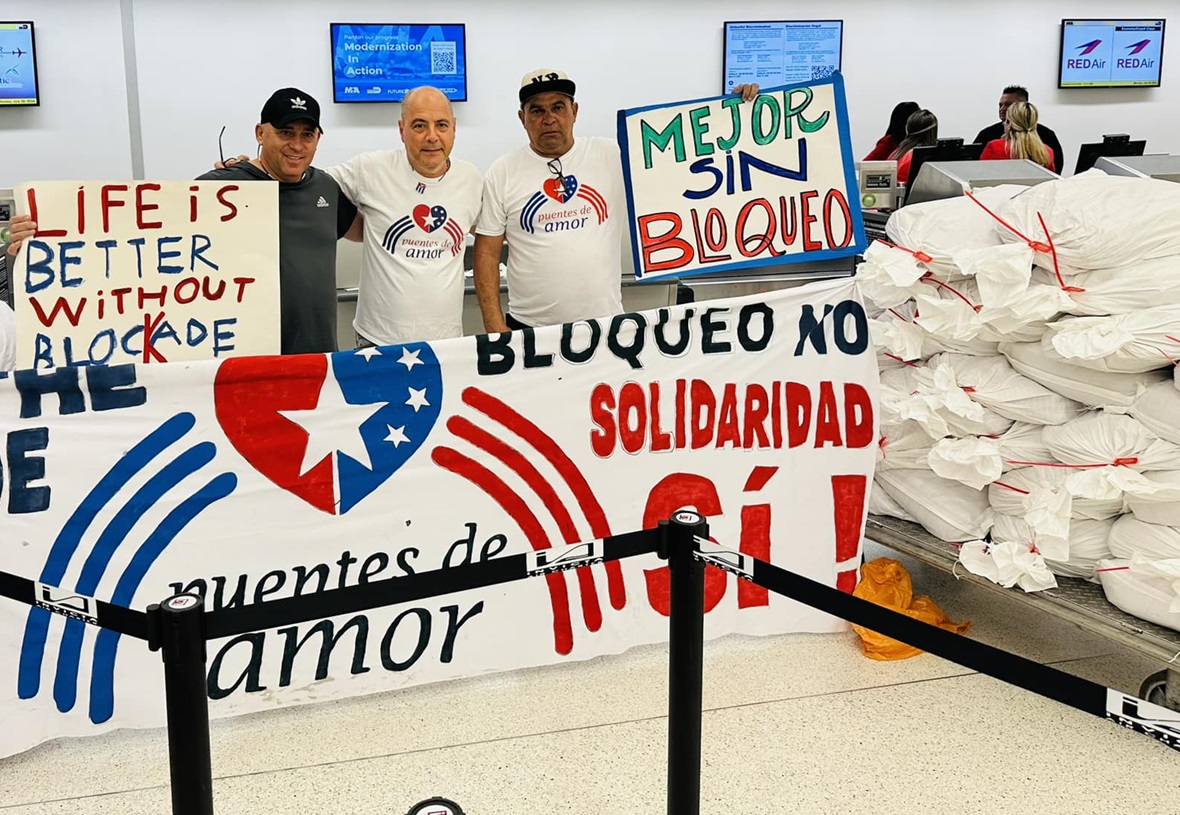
[(1113, 145), (945, 150), (877, 181)]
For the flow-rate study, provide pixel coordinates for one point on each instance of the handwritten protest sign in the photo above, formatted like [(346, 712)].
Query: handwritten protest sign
[(720, 184), (146, 272)]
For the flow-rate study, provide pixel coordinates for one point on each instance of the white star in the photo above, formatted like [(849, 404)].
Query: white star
[(333, 428), (368, 352), (396, 435), (417, 399), (410, 359)]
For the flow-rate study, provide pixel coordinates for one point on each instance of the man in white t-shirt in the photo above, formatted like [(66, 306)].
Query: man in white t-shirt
[(559, 203), (418, 206)]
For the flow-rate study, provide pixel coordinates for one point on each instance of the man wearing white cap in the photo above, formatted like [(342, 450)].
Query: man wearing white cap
[(560, 204)]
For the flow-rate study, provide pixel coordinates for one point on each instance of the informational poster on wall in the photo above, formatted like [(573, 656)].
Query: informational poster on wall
[(718, 184), (252, 479), (134, 271)]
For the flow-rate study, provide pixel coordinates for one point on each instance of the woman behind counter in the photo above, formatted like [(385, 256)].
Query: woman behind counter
[(921, 130), (894, 134), (1020, 138)]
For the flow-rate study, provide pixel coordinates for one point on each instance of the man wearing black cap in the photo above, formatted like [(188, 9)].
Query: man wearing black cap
[(313, 215)]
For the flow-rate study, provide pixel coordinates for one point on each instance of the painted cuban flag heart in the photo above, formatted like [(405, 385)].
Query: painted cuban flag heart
[(429, 218), (552, 188), (330, 429)]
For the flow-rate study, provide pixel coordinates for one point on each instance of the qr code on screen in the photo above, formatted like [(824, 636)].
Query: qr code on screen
[(822, 71), (442, 58)]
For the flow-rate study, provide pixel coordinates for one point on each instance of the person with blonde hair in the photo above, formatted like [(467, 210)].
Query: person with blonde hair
[(921, 130), (1020, 140)]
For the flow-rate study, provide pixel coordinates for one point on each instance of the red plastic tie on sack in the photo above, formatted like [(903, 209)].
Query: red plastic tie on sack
[(1118, 462), (902, 361), (930, 278), (919, 256), (1010, 487), (1044, 247)]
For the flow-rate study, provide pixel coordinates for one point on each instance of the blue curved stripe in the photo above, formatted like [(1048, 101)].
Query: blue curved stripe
[(395, 231), (69, 653), (37, 623), (530, 211), (102, 675)]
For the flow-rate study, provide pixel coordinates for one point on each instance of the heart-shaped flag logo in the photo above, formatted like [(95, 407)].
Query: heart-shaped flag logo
[(429, 218), (553, 188), (330, 429)]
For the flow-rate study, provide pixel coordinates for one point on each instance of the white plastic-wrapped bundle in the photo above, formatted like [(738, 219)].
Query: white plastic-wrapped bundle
[(993, 383), (941, 228), (956, 314), (881, 504), (897, 338), (1086, 543), (903, 445), (1103, 438), (1097, 221), (1023, 442), (1047, 497), (1159, 501), (978, 461), (1158, 408), (1122, 343), (1131, 538), (933, 398), (1147, 596), (1119, 290), (888, 276), (1095, 388), (948, 510)]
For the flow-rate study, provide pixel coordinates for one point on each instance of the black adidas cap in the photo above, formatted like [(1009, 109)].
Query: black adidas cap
[(289, 105)]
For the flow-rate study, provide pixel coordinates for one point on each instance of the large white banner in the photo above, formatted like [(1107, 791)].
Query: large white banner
[(719, 184), (126, 271), (256, 478)]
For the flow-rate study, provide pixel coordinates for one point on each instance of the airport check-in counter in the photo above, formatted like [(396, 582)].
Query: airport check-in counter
[(1163, 167), (949, 179)]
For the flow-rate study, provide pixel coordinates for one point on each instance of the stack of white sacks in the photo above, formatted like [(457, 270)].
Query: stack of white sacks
[(1029, 341)]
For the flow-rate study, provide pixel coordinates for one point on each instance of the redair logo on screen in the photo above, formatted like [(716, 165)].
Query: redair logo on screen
[(1131, 61), (1083, 50)]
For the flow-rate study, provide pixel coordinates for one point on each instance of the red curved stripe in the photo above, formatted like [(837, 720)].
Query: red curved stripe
[(498, 411), (502, 494), (464, 429)]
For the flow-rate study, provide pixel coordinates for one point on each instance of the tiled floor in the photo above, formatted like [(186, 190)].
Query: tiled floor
[(798, 724)]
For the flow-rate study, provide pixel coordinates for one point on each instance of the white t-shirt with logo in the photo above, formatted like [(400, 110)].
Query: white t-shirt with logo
[(563, 247), (411, 282)]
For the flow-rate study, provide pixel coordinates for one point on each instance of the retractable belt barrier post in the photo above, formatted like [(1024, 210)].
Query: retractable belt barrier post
[(178, 631), (686, 643)]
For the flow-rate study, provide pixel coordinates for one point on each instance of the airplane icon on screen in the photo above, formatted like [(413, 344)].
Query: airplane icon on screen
[(15, 52)]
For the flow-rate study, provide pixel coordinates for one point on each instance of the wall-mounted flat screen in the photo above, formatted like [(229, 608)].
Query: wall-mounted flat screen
[(382, 62), (782, 52), (1111, 53), (18, 64)]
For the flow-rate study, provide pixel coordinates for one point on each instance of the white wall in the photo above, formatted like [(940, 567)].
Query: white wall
[(80, 130), (207, 63)]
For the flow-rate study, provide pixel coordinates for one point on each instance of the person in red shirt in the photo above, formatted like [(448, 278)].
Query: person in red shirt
[(894, 133), (1020, 139), (921, 130)]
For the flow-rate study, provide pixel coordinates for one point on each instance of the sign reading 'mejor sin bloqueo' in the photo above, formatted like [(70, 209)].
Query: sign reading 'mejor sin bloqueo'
[(720, 184)]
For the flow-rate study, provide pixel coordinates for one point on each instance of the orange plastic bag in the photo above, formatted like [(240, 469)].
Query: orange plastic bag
[(886, 582)]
